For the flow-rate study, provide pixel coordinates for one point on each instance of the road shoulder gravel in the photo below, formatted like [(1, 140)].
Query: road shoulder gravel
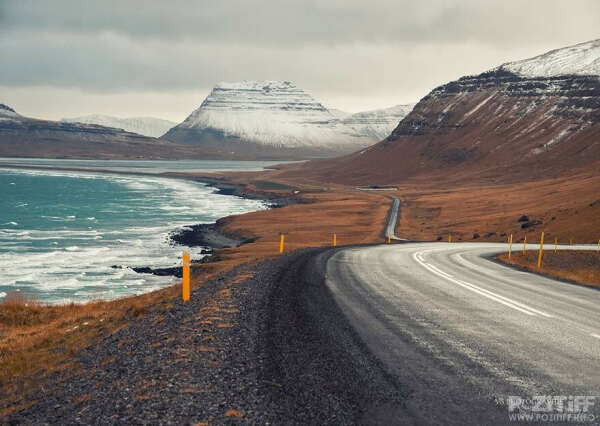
[(258, 344)]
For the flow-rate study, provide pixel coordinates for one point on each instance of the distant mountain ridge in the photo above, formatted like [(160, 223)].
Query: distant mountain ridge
[(272, 120), (22, 136), (147, 126), (269, 120), (377, 124)]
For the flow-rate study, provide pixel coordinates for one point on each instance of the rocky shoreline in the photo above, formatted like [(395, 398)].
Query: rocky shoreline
[(211, 236), (207, 235)]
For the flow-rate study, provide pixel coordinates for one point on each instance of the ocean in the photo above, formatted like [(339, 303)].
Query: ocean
[(74, 236)]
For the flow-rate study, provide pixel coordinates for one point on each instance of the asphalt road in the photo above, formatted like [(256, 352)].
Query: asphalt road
[(462, 333)]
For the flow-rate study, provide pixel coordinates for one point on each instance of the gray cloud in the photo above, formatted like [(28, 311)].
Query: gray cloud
[(346, 51), (308, 21)]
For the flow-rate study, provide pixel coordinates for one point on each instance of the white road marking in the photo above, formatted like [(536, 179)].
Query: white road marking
[(438, 271), (597, 336), (521, 307)]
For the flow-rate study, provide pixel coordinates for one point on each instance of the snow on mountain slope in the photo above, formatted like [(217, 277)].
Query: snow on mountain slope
[(267, 115), (338, 113), (378, 124), (147, 126), (580, 59)]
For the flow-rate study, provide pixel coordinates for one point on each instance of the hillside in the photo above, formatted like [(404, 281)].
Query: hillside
[(519, 121)]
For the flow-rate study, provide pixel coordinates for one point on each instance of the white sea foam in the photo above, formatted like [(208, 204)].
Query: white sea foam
[(2, 294), (77, 264)]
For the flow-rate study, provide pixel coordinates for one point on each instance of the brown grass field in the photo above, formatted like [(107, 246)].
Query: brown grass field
[(578, 266)]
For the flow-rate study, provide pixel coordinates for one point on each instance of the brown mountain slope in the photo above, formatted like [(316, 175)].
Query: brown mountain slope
[(496, 125)]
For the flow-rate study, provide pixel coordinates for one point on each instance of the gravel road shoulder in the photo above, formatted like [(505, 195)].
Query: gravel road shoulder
[(261, 344)]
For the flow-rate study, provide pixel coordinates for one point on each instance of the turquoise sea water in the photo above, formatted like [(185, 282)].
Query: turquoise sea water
[(62, 232)]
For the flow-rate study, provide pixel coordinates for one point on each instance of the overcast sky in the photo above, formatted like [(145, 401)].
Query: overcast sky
[(64, 58)]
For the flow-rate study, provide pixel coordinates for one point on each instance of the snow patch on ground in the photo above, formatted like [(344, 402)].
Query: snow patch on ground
[(482, 103)]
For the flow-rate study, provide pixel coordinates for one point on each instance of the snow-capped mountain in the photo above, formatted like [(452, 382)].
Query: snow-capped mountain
[(377, 124), (266, 119), (581, 59), (520, 121), (147, 126)]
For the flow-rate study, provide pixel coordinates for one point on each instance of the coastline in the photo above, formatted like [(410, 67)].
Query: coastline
[(210, 236)]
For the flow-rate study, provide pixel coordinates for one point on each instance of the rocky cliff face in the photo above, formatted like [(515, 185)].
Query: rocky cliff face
[(507, 122), (269, 119)]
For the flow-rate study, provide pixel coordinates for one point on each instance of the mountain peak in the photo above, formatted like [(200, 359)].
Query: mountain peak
[(580, 59), (265, 85)]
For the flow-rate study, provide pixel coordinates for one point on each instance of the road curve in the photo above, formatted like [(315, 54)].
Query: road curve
[(461, 333), (392, 220)]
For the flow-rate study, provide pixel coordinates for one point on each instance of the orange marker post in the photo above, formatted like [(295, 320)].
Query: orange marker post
[(510, 246), (186, 276), (281, 243), (555, 244), (334, 240), (524, 244), (539, 264)]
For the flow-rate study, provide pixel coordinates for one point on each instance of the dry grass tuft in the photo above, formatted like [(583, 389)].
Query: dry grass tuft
[(17, 309), (81, 399), (225, 325), (234, 413)]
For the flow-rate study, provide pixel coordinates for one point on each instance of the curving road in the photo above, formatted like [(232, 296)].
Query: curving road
[(461, 333)]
